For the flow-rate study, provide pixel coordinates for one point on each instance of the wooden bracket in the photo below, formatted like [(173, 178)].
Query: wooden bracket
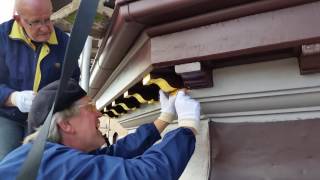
[(119, 109), (144, 94), (110, 112), (195, 75), (165, 78), (131, 103), (115, 111), (309, 60)]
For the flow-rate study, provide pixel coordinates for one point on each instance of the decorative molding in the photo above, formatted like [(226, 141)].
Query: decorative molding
[(266, 91), (255, 107)]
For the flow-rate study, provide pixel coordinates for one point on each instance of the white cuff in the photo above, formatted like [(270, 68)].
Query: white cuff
[(167, 117), (190, 123), (13, 98)]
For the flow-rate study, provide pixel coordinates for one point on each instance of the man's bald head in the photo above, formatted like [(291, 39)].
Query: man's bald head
[(32, 6), (34, 17)]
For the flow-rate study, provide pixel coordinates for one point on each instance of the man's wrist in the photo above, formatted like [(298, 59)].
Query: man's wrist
[(10, 102), (160, 125)]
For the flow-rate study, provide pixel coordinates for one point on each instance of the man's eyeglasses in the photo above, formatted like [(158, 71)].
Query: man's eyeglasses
[(38, 23), (90, 106)]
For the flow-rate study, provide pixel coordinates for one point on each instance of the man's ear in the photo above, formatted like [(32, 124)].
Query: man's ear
[(17, 18), (66, 127)]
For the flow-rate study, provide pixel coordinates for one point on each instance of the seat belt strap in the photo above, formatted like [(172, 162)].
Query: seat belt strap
[(80, 31)]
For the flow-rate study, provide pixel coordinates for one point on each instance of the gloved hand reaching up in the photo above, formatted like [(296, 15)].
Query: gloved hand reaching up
[(168, 111), (22, 100), (188, 111)]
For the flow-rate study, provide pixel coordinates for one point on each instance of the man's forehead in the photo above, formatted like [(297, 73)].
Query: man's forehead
[(32, 14)]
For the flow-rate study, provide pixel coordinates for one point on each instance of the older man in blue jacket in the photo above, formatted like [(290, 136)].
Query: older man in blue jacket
[(72, 150), (31, 55)]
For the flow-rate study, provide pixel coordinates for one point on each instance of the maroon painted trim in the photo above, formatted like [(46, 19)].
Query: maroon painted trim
[(222, 15), (130, 18), (198, 79), (309, 64), (261, 33), (213, 148), (309, 60)]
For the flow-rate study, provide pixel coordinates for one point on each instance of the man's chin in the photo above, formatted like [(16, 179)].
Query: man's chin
[(42, 39)]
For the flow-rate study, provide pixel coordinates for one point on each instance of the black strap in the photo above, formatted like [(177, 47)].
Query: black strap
[(80, 31)]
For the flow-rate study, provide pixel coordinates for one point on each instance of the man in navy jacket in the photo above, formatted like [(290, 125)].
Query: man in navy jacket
[(31, 55), (73, 147)]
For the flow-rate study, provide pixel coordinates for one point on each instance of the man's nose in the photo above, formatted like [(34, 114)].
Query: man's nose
[(45, 28)]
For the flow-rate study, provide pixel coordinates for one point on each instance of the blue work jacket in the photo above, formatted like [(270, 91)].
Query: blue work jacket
[(27, 66), (133, 157)]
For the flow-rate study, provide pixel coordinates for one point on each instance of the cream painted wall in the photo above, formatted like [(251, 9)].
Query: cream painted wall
[(6, 10)]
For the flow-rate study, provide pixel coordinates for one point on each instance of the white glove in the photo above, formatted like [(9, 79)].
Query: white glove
[(168, 111), (23, 100), (188, 111)]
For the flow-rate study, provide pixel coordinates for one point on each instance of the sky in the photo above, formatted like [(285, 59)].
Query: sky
[(6, 10)]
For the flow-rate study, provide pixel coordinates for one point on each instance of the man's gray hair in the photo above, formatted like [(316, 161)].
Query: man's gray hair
[(54, 133)]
